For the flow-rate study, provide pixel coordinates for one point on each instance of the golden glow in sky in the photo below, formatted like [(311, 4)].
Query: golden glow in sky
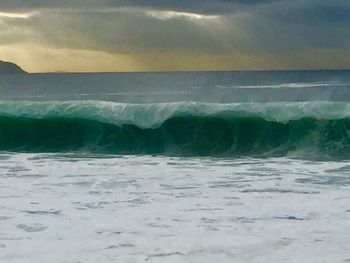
[(87, 36)]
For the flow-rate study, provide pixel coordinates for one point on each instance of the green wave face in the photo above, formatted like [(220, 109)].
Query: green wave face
[(318, 129)]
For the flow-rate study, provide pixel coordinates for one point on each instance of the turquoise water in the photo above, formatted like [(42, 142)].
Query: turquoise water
[(305, 130)]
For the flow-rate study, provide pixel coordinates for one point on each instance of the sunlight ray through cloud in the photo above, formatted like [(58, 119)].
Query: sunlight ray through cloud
[(17, 15), (165, 15)]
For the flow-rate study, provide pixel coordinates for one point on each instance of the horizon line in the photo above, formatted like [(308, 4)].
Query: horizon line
[(188, 71)]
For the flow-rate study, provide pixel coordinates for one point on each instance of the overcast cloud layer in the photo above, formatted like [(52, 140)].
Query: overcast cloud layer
[(284, 31)]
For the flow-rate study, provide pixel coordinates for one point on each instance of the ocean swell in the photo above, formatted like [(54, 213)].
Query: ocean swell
[(311, 129)]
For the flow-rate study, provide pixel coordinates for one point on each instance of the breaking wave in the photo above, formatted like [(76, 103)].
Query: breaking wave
[(309, 129)]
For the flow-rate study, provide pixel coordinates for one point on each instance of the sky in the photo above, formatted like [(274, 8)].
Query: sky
[(174, 35)]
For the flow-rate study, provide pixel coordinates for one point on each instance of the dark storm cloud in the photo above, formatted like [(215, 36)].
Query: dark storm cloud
[(303, 25), (315, 13), (276, 27), (198, 6)]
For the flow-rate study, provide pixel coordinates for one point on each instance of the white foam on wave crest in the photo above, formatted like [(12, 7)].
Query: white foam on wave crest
[(154, 115)]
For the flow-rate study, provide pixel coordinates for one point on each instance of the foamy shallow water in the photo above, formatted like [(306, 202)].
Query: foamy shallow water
[(81, 208)]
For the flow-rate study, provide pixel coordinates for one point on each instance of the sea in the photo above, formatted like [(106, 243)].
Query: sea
[(175, 167)]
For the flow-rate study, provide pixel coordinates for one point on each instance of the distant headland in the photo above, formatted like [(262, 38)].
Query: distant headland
[(10, 68)]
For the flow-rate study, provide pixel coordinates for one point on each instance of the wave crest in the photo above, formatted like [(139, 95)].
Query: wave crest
[(153, 115), (277, 129)]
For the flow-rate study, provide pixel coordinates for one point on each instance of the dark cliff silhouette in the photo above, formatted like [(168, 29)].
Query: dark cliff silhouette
[(10, 68)]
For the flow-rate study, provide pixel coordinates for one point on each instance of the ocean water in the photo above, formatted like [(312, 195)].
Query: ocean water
[(175, 167)]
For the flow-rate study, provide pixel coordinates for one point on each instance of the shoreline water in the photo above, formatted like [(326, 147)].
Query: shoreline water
[(144, 208)]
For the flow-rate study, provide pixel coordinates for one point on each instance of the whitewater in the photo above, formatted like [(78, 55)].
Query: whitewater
[(175, 167)]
